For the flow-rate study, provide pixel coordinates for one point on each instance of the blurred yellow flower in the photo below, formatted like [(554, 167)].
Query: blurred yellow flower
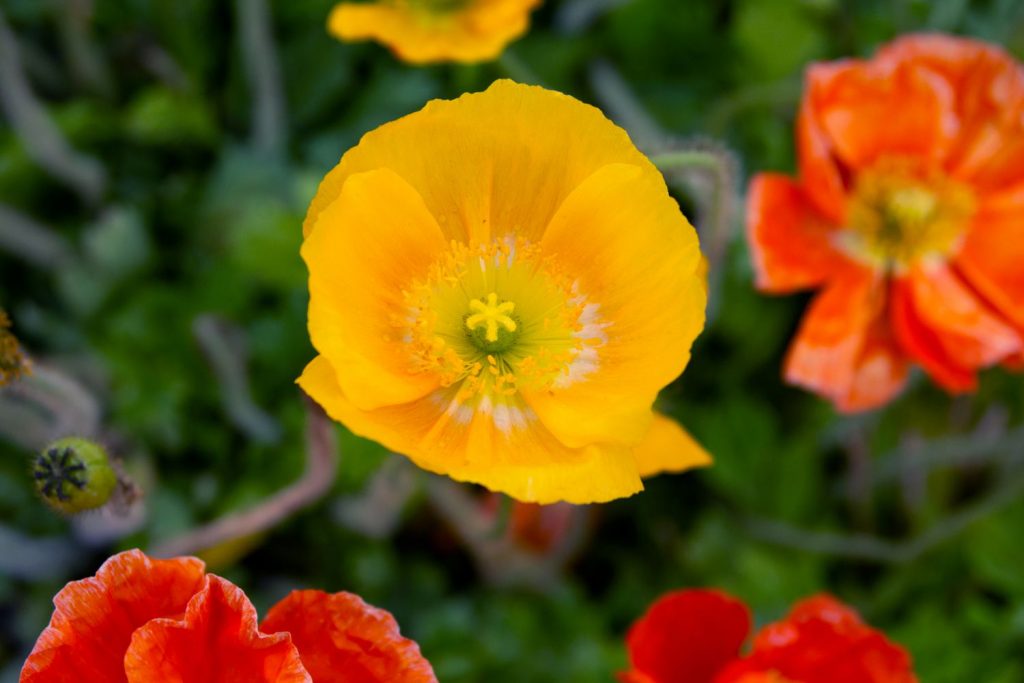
[(13, 363), (423, 31), (499, 287)]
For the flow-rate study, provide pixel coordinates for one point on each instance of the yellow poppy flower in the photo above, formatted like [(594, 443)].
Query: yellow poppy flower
[(499, 287), (422, 31)]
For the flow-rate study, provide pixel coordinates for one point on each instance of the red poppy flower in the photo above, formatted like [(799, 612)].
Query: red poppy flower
[(141, 620), (695, 636), (907, 215)]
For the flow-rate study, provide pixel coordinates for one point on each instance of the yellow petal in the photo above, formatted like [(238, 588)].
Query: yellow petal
[(490, 164), (476, 33), (668, 448), (622, 238), (367, 247), (527, 462)]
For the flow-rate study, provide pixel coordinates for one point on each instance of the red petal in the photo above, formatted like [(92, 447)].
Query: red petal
[(341, 633), (686, 637), (790, 242), (844, 349), (824, 641), (94, 619), (216, 641)]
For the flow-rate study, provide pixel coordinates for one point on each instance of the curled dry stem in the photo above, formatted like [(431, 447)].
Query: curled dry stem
[(315, 482)]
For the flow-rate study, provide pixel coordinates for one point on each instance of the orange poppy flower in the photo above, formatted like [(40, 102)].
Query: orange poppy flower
[(141, 620), (695, 636), (908, 215), (426, 31)]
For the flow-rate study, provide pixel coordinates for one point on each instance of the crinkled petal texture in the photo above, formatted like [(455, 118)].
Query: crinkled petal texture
[(141, 620), (341, 638), (686, 637), (425, 31), (216, 640), (94, 619), (821, 641), (940, 286), (536, 203)]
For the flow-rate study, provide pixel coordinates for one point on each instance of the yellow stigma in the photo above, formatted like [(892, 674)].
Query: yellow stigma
[(901, 214), (491, 316)]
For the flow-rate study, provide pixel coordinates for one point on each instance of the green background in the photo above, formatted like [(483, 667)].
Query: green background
[(179, 204)]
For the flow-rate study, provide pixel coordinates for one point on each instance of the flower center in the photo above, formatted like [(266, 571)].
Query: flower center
[(901, 214), (57, 470), (490, 325), (495, 318)]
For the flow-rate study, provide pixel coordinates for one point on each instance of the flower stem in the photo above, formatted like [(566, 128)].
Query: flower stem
[(686, 160)]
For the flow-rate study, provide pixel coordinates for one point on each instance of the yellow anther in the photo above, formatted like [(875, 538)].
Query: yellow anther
[(491, 315)]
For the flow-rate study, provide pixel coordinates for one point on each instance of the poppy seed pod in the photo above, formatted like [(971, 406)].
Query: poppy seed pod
[(74, 475)]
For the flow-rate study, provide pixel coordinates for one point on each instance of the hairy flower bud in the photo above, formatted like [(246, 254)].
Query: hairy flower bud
[(74, 475)]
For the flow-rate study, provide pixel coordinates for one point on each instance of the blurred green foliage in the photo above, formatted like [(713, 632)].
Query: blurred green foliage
[(198, 216)]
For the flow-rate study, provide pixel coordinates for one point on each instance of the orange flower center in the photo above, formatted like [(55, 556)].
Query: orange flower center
[(900, 215)]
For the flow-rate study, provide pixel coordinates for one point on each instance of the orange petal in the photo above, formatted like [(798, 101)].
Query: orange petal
[(686, 637), (880, 373), (842, 350), (971, 335), (94, 619), (790, 242), (923, 344), (216, 641), (872, 109), (340, 637), (668, 448), (988, 91), (993, 252), (821, 172), (822, 641)]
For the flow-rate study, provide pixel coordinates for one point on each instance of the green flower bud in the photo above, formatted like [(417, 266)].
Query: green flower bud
[(74, 475)]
